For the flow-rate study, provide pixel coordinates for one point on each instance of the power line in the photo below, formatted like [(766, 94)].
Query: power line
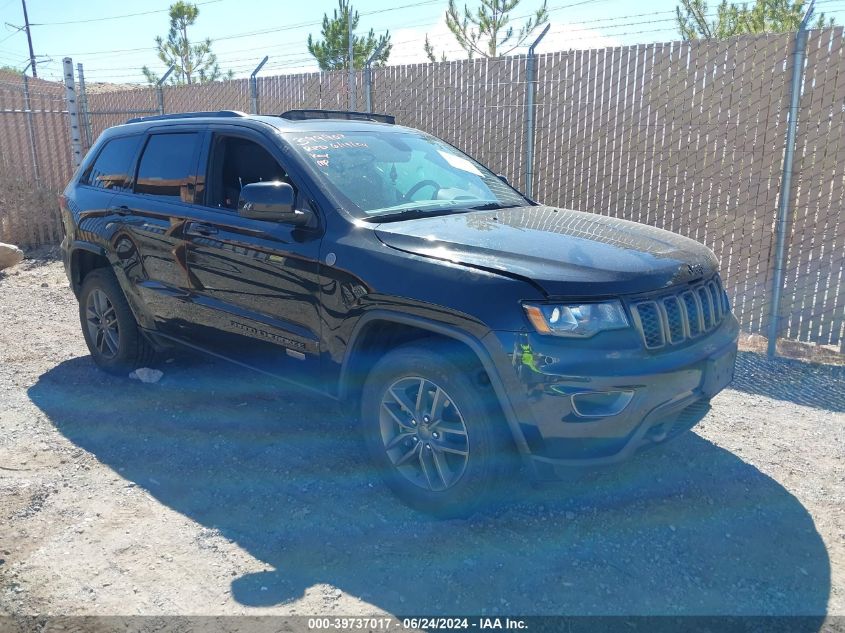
[(293, 27), (17, 30), (296, 60), (376, 12), (115, 17), (10, 57), (288, 27)]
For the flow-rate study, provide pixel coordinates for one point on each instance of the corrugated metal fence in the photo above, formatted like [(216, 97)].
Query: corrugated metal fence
[(687, 136)]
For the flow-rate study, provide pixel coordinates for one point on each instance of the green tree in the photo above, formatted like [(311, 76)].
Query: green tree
[(763, 16), (487, 31), (332, 52), (429, 52), (194, 63)]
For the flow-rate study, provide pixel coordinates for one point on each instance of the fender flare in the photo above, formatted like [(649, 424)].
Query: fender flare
[(73, 248), (473, 343)]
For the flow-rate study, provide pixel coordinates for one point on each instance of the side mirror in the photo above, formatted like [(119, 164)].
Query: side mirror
[(270, 201), (504, 179)]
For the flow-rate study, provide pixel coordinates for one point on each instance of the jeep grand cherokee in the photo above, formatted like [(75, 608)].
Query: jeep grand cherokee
[(462, 322)]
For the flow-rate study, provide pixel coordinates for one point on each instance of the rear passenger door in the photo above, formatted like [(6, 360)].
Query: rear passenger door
[(109, 173), (152, 219), (255, 282)]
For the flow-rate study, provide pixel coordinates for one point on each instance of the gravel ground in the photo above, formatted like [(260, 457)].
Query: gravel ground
[(216, 491)]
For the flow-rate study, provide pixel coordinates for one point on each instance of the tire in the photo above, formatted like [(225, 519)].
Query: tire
[(115, 342), (423, 467)]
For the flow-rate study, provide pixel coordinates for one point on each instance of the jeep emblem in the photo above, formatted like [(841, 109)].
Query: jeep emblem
[(695, 269)]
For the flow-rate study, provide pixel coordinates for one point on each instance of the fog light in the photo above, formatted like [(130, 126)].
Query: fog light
[(600, 404)]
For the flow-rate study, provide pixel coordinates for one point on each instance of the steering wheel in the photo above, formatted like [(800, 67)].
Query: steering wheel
[(420, 185)]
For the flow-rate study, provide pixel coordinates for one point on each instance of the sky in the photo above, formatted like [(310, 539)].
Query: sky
[(114, 40)]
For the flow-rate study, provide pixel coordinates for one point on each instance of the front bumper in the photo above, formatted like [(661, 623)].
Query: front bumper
[(666, 393)]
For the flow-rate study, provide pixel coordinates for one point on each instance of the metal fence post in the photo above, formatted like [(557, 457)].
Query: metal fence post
[(352, 104), (368, 76), (83, 107), (30, 129), (160, 89), (72, 112), (530, 87), (253, 86), (784, 220)]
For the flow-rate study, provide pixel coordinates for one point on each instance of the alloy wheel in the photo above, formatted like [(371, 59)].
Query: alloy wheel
[(424, 433), (101, 318)]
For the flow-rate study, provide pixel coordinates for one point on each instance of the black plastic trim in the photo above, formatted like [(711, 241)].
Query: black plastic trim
[(348, 115), (470, 341)]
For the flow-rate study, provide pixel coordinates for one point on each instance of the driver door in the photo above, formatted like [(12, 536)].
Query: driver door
[(255, 282)]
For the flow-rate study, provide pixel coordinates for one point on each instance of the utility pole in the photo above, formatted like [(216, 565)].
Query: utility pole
[(29, 39)]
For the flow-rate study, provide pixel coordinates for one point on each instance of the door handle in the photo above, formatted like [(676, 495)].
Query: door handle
[(196, 228), (121, 210)]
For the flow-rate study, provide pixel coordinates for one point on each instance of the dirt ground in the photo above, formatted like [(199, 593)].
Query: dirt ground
[(216, 491)]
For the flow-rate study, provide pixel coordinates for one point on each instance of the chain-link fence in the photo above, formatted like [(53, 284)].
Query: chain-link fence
[(687, 136)]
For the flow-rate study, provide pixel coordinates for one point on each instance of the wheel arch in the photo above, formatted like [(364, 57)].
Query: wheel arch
[(391, 330), (85, 257)]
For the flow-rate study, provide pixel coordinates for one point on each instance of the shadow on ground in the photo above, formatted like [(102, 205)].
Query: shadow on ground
[(809, 384), (687, 528)]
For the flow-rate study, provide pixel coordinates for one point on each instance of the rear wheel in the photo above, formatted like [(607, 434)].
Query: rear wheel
[(433, 435), (108, 325)]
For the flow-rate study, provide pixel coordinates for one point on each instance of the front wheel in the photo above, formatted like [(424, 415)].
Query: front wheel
[(433, 435)]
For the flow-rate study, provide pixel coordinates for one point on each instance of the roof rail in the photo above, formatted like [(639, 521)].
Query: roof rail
[(189, 115), (303, 115)]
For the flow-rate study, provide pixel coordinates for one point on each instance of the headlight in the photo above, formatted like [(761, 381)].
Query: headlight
[(582, 320)]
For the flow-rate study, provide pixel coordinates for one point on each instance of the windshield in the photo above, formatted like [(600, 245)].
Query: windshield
[(376, 174)]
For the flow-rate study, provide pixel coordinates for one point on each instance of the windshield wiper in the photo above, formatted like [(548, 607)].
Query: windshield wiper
[(410, 214), (493, 206)]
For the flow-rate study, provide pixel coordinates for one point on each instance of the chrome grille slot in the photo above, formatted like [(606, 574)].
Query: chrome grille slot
[(693, 313), (717, 303), (671, 319), (726, 304), (674, 319), (706, 307), (651, 324)]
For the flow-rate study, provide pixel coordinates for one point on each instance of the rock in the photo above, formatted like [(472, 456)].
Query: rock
[(147, 375), (10, 255)]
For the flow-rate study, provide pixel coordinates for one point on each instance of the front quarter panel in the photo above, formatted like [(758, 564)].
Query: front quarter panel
[(360, 274)]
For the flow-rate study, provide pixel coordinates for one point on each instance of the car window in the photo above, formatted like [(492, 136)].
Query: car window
[(167, 166), (112, 167), (236, 162), (378, 173)]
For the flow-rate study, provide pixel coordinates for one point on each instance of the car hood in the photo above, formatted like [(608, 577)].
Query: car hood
[(564, 252)]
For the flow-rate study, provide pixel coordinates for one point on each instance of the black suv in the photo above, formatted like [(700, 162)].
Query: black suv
[(464, 323)]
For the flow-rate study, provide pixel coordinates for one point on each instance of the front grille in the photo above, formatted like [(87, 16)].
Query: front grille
[(692, 313), (672, 318), (650, 324)]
